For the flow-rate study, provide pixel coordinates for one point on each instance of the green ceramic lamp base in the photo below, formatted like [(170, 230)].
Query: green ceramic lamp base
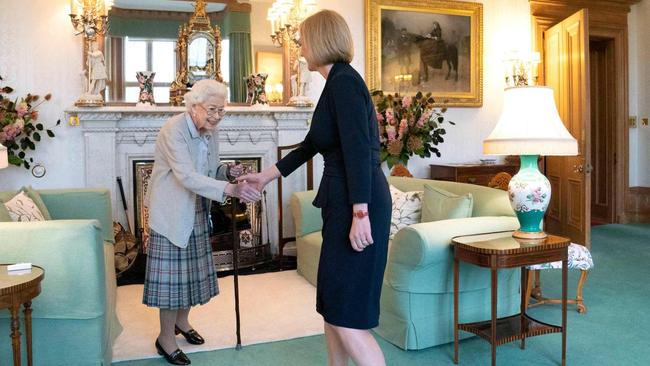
[(530, 193)]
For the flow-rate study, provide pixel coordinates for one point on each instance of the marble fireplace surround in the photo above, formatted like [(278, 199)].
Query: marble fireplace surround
[(116, 136)]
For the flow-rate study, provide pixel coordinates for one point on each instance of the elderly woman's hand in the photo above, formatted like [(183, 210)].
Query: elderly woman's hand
[(244, 191), (236, 170)]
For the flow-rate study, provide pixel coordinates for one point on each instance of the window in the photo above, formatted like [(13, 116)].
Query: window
[(157, 55)]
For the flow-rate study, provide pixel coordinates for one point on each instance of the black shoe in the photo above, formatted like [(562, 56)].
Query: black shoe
[(191, 336), (175, 358)]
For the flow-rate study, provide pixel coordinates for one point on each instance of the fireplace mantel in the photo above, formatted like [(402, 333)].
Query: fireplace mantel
[(116, 136)]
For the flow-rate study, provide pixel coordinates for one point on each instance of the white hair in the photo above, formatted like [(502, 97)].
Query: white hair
[(203, 90)]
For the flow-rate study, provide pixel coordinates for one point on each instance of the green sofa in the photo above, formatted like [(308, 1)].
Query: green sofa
[(417, 294), (74, 318)]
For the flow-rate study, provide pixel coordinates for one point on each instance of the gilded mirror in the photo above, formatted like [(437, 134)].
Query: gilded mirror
[(198, 51)]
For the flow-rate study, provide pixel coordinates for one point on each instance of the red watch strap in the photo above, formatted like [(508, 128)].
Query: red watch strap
[(360, 214)]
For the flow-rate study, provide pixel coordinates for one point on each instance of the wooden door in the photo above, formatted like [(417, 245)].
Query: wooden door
[(566, 70), (603, 130)]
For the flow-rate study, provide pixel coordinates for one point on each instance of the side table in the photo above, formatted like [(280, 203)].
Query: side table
[(501, 250), (17, 289)]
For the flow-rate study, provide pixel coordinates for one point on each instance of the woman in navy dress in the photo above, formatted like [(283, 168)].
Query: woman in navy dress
[(353, 195)]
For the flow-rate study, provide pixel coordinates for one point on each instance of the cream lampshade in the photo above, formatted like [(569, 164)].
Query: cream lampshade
[(530, 126), (4, 157)]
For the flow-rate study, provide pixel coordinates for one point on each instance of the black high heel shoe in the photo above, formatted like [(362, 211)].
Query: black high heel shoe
[(177, 357), (192, 336)]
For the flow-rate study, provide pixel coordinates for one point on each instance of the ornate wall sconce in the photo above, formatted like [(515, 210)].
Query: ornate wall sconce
[(90, 19), (285, 17), (521, 68)]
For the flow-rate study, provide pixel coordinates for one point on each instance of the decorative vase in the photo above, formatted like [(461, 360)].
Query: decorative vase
[(255, 85), (145, 79), (530, 194), (400, 170)]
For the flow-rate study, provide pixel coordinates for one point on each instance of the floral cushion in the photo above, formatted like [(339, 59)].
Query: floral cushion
[(22, 208), (407, 209), (579, 258)]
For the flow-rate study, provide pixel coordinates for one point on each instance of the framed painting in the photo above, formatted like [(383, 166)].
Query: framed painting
[(430, 46)]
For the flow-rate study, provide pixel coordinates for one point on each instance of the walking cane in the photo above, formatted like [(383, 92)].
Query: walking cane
[(235, 258)]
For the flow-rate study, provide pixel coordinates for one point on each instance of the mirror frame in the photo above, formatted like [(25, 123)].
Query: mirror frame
[(199, 24)]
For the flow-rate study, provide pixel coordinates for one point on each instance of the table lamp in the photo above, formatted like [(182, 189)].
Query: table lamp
[(4, 157), (530, 126)]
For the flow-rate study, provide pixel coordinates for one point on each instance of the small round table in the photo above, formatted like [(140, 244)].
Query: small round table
[(16, 289)]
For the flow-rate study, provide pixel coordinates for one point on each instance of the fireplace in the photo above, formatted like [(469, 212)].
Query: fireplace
[(255, 247), (116, 136)]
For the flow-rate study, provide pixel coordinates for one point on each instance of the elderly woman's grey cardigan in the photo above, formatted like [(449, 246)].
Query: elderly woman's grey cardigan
[(175, 181)]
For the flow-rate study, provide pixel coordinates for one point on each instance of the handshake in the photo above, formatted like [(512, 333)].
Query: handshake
[(248, 187)]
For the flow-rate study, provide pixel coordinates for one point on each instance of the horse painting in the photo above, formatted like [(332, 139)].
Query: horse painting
[(432, 54)]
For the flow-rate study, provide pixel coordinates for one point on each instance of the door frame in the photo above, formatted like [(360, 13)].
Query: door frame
[(606, 21)]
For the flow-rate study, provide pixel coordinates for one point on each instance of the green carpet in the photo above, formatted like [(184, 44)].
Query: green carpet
[(611, 333)]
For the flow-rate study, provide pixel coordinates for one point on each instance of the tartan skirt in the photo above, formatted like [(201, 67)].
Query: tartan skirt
[(178, 278)]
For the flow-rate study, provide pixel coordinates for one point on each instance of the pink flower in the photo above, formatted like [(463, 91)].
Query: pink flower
[(390, 114), (406, 101), (424, 118), (21, 109), (12, 130), (19, 123), (391, 132)]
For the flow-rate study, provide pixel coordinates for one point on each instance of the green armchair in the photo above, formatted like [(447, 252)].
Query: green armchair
[(74, 318), (417, 294)]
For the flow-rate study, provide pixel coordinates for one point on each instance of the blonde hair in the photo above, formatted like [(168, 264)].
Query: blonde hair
[(328, 38), (202, 90)]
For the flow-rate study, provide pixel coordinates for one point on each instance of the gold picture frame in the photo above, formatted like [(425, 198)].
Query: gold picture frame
[(428, 46)]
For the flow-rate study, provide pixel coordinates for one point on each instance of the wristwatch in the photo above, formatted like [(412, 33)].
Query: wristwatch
[(360, 214)]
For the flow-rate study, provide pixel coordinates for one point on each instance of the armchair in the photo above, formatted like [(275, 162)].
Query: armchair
[(74, 318)]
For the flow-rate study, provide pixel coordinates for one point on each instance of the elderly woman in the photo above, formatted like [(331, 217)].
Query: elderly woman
[(353, 194), (186, 177)]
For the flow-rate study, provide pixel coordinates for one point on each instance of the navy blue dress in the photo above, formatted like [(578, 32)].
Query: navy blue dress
[(344, 130)]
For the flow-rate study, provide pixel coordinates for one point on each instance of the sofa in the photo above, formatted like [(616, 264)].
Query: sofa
[(416, 308), (74, 319)]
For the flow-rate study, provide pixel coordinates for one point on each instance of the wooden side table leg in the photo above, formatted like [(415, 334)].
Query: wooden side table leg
[(28, 330), (523, 305), (537, 290), (494, 316), (565, 266), (15, 334), (455, 310)]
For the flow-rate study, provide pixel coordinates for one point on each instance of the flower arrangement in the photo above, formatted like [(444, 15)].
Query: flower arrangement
[(408, 126), (19, 129)]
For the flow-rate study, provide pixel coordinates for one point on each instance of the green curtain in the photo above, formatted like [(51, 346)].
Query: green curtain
[(241, 65)]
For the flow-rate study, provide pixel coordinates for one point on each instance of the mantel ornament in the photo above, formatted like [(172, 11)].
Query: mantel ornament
[(198, 51)]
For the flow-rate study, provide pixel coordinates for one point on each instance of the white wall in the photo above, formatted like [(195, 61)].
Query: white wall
[(41, 54), (639, 39)]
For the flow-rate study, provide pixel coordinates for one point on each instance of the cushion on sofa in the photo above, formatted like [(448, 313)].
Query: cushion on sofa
[(407, 208), (25, 205), (442, 205), (22, 208)]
